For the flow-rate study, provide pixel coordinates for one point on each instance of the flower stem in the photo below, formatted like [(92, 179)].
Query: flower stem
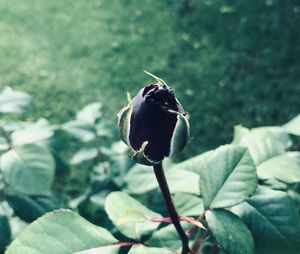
[(162, 182), (127, 244)]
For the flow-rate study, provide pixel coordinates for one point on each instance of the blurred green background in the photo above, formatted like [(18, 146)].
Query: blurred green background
[(229, 62)]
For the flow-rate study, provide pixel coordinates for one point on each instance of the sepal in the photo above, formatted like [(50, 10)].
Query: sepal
[(139, 156), (124, 117), (181, 133)]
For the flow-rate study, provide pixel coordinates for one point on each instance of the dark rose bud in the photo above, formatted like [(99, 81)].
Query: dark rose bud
[(153, 124)]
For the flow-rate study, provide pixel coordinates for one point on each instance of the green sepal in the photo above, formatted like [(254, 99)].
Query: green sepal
[(124, 117), (181, 133), (139, 156)]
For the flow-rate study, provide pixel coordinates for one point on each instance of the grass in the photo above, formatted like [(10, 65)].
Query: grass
[(69, 53), (229, 64)]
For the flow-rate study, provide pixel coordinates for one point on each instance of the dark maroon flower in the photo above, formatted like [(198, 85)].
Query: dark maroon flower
[(153, 124)]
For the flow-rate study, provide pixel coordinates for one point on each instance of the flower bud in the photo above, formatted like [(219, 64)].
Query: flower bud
[(153, 124)]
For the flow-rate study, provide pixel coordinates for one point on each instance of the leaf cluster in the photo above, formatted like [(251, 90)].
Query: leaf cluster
[(239, 198)]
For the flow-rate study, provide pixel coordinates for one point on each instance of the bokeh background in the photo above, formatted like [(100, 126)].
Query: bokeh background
[(229, 62)]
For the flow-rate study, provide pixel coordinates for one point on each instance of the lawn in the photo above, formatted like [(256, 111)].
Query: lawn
[(229, 62)]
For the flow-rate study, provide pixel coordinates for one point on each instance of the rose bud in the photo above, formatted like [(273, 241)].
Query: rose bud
[(153, 124)]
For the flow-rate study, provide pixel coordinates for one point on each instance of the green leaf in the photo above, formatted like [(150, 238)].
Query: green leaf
[(141, 179), (2, 184), (17, 226), (131, 216), (272, 218), (84, 155), (11, 125), (100, 177), (114, 249), (293, 126), (12, 101), (82, 131), (183, 181), (276, 132), (118, 169), (193, 164), (32, 133), (188, 204), (90, 113), (295, 196), (228, 177), (5, 209), (167, 237), (141, 249), (230, 232), (239, 133), (5, 232), (3, 145), (285, 168), (120, 207), (29, 208), (264, 143), (103, 130), (62, 232), (29, 169), (275, 184)]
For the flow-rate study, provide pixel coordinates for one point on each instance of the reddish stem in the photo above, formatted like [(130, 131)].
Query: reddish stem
[(190, 220), (125, 244), (158, 219)]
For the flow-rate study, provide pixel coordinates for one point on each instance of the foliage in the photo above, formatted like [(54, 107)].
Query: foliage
[(243, 197)]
